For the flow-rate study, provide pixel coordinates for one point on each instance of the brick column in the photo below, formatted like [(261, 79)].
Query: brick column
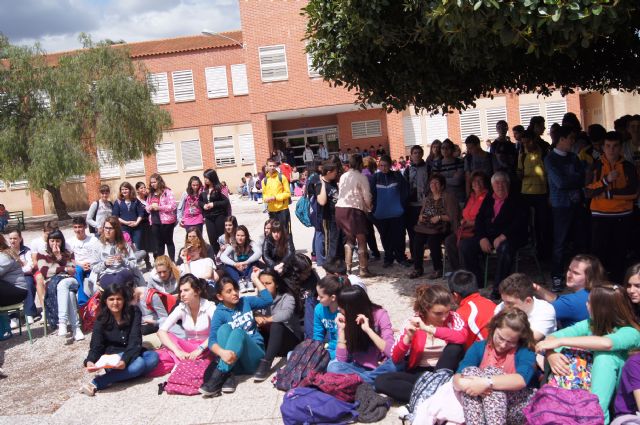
[(453, 127), (150, 166), (262, 138), (37, 204), (92, 186), (573, 105), (396, 134), (513, 112), (206, 144)]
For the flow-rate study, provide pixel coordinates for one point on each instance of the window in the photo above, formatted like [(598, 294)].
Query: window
[(239, 79), (362, 129), (216, 82), (313, 72), (247, 149), (134, 168), (470, 124), (437, 128), (273, 63), (183, 86), (555, 112), (160, 84), (412, 130), (493, 116), (224, 151), (528, 111), (18, 184), (76, 179), (191, 155), (3, 186), (108, 169), (166, 157)]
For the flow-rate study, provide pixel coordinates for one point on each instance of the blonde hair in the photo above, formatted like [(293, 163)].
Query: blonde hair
[(164, 260)]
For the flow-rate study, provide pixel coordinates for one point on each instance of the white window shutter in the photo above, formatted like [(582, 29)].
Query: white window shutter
[(247, 149), (239, 79), (134, 168), (160, 82), (191, 155), (313, 72), (273, 63), (224, 151), (493, 116), (555, 112), (166, 157), (412, 130), (362, 129), (43, 99), (3, 186), (183, 86), (108, 169), (437, 128), (18, 184), (470, 124), (216, 82), (528, 111)]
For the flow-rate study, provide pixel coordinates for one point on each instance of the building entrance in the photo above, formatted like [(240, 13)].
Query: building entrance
[(295, 141)]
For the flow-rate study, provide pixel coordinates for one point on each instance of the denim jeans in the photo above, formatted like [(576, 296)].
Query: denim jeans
[(237, 275), (29, 302), (569, 224), (318, 248), (310, 303), (81, 274), (140, 366), (67, 303), (367, 375), (248, 352)]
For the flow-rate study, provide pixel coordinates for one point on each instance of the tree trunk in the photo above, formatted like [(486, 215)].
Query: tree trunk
[(58, 203)]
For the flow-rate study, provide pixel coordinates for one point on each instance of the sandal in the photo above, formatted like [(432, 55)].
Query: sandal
[(436, 274), (415, 274)]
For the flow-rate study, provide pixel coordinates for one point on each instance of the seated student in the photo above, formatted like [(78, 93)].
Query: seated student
[(298, 272), (116, 262), (58, 263), (85, 248), (476, 310), (240, 257), (610, 332), (278, 247), (326, 311), (164, 279), (195, 313), (23, 254), (365, 336), (279, 323), (117, 332), (195, 261), (4, 217), (234, 336), (39, 245), (338, 268), (13, 286), (431, 340), (517, 291), (495, 374), (226, 239), (584, 272), (194, 235)]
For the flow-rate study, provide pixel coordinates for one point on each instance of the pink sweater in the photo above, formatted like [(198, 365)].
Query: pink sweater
[(373, 356)]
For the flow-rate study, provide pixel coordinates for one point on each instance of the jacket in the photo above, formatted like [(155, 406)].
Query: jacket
[(307, 155), (452, 209), (230, 257), (416, 176), (477, 311), (565, 174), (189, 210), (269, 255), (130, 213), (389, 195), (105, 251), (167, 207), (276, 185), (354, 191), (168, 287), (283, 310), (48, 266), (11, 272), (525, 360), (611, 199), (220, 203), (115, 339), (512, 221)]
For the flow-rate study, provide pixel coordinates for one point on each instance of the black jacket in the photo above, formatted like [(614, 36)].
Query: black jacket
[(113, 340), (512, 221), (220, 203), (271, 259)]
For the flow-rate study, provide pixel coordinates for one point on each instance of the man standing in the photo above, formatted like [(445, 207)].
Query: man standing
[(323, 153), (307, 157), (276, 194), (416, 176), (613, 190)]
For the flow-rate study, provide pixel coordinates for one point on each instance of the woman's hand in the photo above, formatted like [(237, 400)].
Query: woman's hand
[(121, 365), (90, 366), (109, 261), (559, 364), (184, 255), (477, 386), (485, 246), (341, 322), (182, 355), (254, 274), (279, 268), (547, 344), (228, 356), (435, 219), (194, 354), (422, 219), (363, 322)]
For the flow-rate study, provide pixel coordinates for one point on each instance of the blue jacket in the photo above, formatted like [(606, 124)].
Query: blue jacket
[(324, 325), (135, 210), (566, 177), (389, 192), (240, 317), (525, 360)]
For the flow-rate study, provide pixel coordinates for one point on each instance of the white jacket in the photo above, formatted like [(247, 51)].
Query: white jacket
[(307, 155)]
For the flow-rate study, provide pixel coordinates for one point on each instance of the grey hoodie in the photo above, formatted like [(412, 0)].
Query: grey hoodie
[(283, 311), (11, 272)]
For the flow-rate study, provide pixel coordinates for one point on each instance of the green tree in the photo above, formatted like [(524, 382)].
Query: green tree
[(444, 54), (54, 116)]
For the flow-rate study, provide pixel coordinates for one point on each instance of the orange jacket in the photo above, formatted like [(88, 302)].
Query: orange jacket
[(612, 198)]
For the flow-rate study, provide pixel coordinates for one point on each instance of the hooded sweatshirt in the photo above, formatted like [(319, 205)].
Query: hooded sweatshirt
[(389, 193)]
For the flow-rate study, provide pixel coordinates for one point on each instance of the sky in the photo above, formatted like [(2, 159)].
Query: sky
[(56, 24)]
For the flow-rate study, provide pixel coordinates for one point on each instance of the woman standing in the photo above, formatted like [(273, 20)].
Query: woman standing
[(435, 154), (161, 206), (189, 212), (130, 212), (215, 206), (99, 210), (13, 286), (354, 202), (452, 168), (144, 226)]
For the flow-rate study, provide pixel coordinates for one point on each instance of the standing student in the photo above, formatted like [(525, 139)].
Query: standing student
[(189, 212), (161, 206), (476, 160), (240, 257), (215, 208), (234, 336), (435, 153), (307, 156), (452, 168), (117, 332), (277, 194), (145, 227), (326, 311), (99, 210), (365, 336), (328, 240), (495, 374), (130, 212)]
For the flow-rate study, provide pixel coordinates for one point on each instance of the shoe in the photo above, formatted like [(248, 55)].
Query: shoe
[(62, 330), (230, 384), (387, 264), (14, 323), (213, 386), (436, 274), (406, 263), (263, 372), (313, 258), (30, 320), (374, 257), (78, 335), (88, 390), (557, 285), (403, 413), (415, 274), (5, 328)]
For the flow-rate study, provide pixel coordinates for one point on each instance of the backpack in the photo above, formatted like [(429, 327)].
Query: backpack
[(89, 312), (264, 183), (187, 377), (426, 386), (342, 386), (302, 211), (309, 406), (552, 405), (168, 301), (308, 356)]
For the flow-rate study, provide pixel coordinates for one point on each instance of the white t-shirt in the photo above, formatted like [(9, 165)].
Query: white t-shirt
[(39, 246), (85, 250), (199, 268), (197, 330), (542, 318)]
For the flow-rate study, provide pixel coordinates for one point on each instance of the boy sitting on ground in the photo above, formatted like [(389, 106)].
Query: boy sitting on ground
[(475, 309)]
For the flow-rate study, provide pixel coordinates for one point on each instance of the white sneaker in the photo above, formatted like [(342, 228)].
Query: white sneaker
[(403, 412), (78, 335), (14, 323), (62, 330), (30, 320)]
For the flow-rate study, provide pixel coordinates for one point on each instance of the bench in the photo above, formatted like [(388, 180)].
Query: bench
[(16, 218)]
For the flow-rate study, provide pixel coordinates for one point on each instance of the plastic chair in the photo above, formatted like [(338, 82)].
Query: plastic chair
[(18, 308)]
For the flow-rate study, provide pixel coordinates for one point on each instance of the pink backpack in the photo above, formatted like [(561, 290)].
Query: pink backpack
[(552, 405), (339, 385), (187, 377), (166, 362)]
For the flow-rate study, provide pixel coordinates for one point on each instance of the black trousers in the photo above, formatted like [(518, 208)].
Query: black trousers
[(417, 250), (284, 217), (609, 242), (279, 341), (411, 215), (392, 236), (215, 228), (162, 236), (11, 294), (372, 243)]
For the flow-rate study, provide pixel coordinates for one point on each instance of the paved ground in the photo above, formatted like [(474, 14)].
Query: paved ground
[(42, 378)]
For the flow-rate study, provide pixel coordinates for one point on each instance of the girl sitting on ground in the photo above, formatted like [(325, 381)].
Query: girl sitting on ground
[(192, 235), (298, 272), (117, 261), (495, 374), (609, 333), (280, 322), (117, 333), (195, 261), (226, 239), (431, 340), (234, 335), (326, 311), (240, 257), (163, 279), (365, 336), (278, 247)]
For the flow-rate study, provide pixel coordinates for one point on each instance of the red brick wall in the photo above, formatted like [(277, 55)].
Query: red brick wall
[(308, 122), (513, 112), (37, 204), (344, 129), (453, 127)]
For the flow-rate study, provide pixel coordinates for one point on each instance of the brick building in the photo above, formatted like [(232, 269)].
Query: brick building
[(234, 97)]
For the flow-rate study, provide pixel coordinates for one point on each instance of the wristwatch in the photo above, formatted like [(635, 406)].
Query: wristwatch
[(490, 380)]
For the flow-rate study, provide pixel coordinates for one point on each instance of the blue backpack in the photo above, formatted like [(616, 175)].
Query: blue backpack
[(302, 211), (305, 405)]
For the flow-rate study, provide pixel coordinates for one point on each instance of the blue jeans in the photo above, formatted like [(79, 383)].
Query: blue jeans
[(318, 248), (140, 366), (80, 275), (248, 351), (309, 306), (569, 224), (237, 275), (29, 302), (367, 375)]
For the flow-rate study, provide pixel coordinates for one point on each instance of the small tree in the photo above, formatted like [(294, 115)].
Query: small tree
[(54, 116)]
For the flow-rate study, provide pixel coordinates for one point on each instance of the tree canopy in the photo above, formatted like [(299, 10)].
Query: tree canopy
[(54, 116), (444, 54)]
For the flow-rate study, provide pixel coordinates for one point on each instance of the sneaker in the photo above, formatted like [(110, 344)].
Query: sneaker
[(230, 384), (263, 372), (78, 335), (557, 284), (62, 330), (88, 389), (403, 412), (30, 320), (14, 323), (213, 386)]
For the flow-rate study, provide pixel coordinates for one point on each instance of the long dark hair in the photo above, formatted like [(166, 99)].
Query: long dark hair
[(57, 234), (105, 317), (285, 286), (161, 185), (283, 242), (191, 180), (228, 238), (610, 309), (247, 241), (198, 285), (212, 176), (353, 300)]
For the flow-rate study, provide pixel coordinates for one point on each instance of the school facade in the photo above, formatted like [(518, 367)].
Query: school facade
[(236, 96)]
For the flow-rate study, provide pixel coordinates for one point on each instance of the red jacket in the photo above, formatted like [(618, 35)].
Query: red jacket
[(477, 312), (454, 332), (285, 169)]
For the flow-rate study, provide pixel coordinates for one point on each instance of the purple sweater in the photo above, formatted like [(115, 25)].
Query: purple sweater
[(373, 356)]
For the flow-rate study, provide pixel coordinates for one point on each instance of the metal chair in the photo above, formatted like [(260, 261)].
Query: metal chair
[(18, 308)]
